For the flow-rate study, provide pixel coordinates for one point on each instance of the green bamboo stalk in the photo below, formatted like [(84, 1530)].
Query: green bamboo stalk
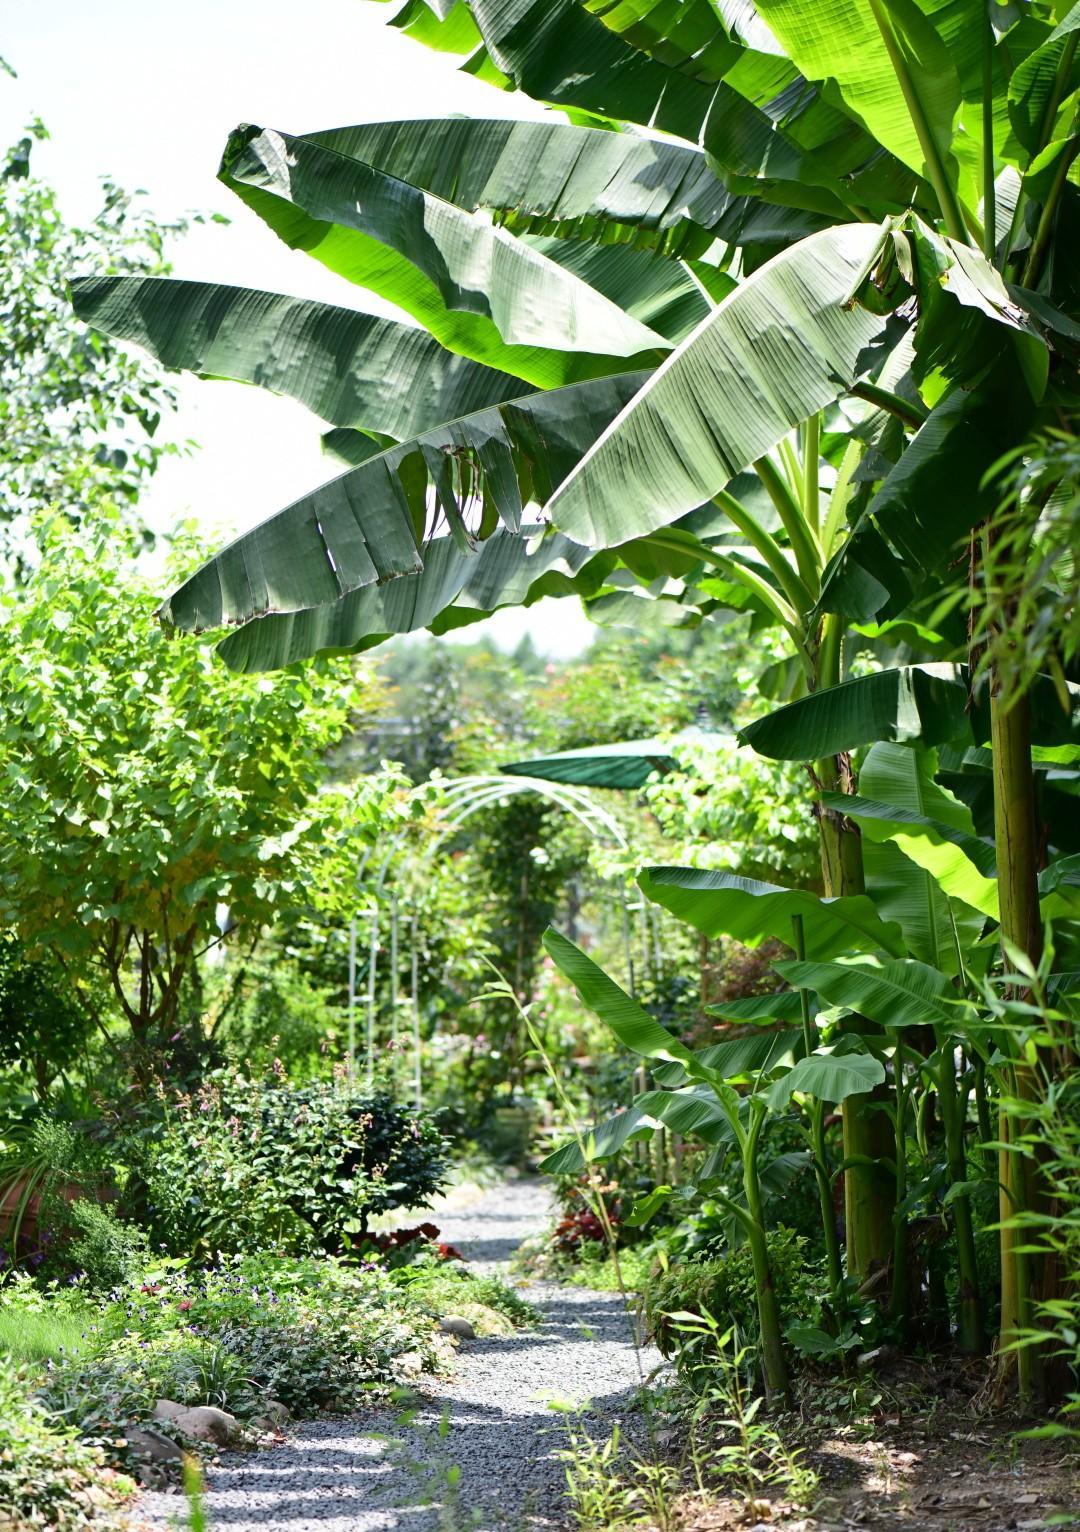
[(969, 1307)]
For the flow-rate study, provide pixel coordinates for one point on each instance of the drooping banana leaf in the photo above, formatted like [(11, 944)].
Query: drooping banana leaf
[(758, 121), (631, 1023), (694, 1113), (914, 702), (722, 904), (901, 993), (899, 791), (928, 702), (371, 523), (455, 587), (740, 1057), (781, 347), (474, 287), (551, 177), (929, 502), (671, 296), (351, 369)]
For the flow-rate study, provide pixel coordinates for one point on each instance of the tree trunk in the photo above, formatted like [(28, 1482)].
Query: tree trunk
[(1016, 837)]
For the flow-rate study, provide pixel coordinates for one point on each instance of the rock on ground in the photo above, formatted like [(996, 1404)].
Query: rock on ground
[(479, 1453)]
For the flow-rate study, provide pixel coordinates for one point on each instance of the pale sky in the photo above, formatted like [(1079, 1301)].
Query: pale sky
[(147, 93)]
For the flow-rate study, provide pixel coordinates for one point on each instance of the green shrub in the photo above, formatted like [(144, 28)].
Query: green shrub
[(240, 1164), (312, 1333), (106, 1250), (47, 1477), (724, 1289), (439, 1288)]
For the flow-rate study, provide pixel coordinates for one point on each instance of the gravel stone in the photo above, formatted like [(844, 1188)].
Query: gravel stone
[(389, 1471)]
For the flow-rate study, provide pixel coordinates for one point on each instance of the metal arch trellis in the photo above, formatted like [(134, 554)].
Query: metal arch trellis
[(465, 796)]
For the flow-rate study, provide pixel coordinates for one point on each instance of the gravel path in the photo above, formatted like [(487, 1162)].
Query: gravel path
[(489, 1427)]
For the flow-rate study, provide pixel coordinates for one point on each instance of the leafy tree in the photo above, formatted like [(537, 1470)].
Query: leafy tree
[(144, 794), (79, 415)]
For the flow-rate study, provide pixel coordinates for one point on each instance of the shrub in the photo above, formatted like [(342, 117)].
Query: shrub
[(107, 1251), (241, 1164), (312, 1333), (724, 1289), (47, 1477)]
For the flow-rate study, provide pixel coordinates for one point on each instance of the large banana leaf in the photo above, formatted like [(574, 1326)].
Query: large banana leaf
[(898, 791), (740, 1057), (781, 347), (630, 1022), (671, 296), (747, 107), (929, 703), (915, 702), (351, 369), (693, 1113), (722, 904), (455, 587), (370, 524), (551, 177), (829, 1076), (929, 502), (846, 42), (473, 286), (902, 993)]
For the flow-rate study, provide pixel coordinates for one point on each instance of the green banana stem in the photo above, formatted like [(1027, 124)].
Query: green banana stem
[(810, 485), (910, 413), (937, 174), (900, 1300), (807, 554), (765, 544), (816, 1113), (952, 1113), (777, 1385)]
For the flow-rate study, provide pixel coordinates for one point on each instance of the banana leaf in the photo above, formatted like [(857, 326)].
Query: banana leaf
[(370, 524), (914, 702), (722, 904), (350, 369), (455, 587), (781, 347), (551, 177), (628, 764), (829, 1077), (902, 993), (694, 1113), (473, 286)]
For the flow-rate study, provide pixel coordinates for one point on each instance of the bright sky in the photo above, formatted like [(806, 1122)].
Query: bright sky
[(147, 92)]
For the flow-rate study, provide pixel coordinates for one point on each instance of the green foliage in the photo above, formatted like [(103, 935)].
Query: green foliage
[(245, 1164), (136, 803), (724, 1287), (314, 1335), (79, 416), (48, 1478), (42, 1032), (439, 1288), (107, 1251)]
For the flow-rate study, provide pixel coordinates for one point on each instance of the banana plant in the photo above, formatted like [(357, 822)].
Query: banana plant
[(700, 1099)]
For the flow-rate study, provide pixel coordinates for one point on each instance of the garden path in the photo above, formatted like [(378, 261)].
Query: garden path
[(489, 1428)]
